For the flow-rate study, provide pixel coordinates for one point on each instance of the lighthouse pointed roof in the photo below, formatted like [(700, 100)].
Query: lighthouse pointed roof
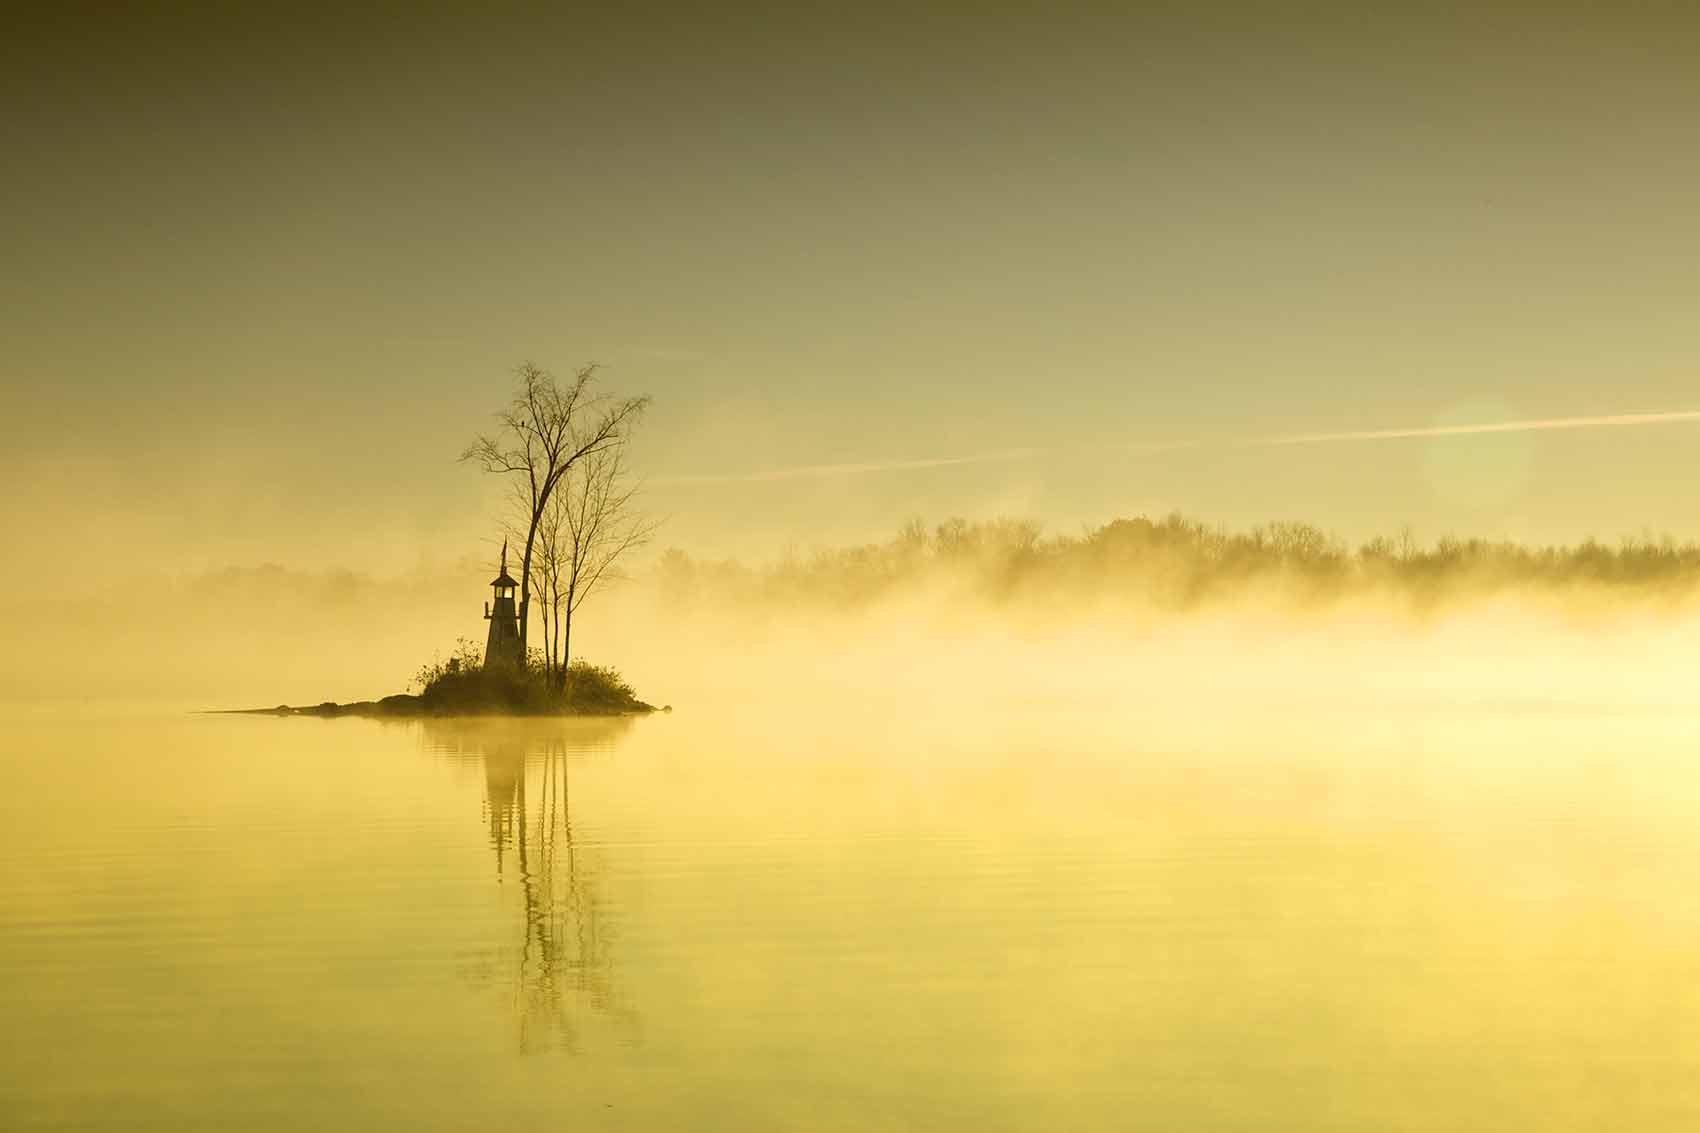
[(503, 579)]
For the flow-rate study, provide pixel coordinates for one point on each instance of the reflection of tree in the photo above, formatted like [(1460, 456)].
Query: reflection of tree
[(562, 969)]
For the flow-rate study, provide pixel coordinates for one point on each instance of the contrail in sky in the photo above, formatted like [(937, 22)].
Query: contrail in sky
[(810, 471), (1608, 421), (807, 471)]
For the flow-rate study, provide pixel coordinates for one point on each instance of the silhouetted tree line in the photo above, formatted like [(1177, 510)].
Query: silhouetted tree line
[(1178, 563)]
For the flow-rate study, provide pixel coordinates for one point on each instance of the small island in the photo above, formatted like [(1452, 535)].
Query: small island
[(564, 446), (501, 680), (471, 689)]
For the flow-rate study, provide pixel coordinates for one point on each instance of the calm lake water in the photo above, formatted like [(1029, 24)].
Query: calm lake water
[(1039, 917)]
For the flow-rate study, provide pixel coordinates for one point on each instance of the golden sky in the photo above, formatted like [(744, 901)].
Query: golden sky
[(267, 269)]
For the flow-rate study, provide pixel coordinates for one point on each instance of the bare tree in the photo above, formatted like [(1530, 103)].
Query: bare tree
[(547, 429), (589, 526)]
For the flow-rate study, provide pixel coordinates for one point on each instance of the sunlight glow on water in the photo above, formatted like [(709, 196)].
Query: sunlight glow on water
[(1038, 919)]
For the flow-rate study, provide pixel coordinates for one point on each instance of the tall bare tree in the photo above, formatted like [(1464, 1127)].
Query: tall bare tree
[(590, 525), (547, 429)]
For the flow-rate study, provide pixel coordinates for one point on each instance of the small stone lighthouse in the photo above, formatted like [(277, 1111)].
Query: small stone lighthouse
[(503, 647)]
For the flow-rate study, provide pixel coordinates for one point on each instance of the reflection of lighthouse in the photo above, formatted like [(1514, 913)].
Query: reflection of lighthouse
[(503, 647), (504, 794), (561, 959)]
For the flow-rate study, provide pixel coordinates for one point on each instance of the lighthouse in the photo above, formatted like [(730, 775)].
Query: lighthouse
[(503, 647)]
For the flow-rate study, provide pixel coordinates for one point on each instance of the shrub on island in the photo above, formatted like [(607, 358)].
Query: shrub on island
[(463, 685)]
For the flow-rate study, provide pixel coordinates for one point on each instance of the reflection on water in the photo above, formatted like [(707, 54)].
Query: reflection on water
[(843, 918), (561, 970)]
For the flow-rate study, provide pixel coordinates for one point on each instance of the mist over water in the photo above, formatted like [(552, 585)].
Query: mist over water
[(954, 614), (992, 842)]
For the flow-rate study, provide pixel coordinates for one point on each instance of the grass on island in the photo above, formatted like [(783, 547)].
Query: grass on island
[(463, 685), (460, 685)]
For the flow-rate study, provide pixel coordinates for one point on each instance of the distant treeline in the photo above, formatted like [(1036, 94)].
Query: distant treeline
[(1176, 562)]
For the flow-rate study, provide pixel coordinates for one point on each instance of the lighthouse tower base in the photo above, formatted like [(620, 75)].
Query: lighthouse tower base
[(502, 648)]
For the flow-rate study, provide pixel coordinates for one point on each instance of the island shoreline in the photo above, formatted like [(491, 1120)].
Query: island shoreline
[(404, 706)]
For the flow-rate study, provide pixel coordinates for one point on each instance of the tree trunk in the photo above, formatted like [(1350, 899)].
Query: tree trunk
[(565, 624), (525, 567), (555, 639), (525, 586), (543, 610)]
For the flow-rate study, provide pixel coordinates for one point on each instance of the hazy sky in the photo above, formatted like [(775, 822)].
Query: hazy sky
[(268, 267)]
